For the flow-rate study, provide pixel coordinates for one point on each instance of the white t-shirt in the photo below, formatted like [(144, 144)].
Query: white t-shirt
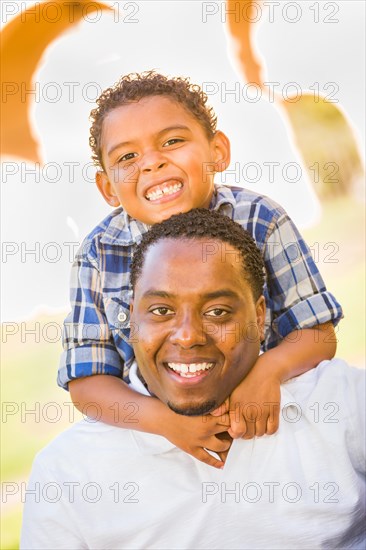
[(100, 487)]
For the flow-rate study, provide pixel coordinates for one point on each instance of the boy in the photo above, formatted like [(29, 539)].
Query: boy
[(157, 147)]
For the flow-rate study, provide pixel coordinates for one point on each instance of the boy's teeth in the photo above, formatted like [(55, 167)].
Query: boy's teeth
[(166, 190), (188, 370)]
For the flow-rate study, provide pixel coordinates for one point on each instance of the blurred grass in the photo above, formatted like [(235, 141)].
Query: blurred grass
[(28, 382), (327, 145)]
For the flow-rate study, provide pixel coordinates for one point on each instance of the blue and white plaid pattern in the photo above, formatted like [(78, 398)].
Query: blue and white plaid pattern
[(97, 333)]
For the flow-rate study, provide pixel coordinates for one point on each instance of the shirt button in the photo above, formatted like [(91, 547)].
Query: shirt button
[(122, 317)]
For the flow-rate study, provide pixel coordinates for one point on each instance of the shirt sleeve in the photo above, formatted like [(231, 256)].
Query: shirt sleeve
[(88, 342), (297, 293), (47, 521)]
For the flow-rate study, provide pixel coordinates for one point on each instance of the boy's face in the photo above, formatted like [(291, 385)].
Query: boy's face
[(158, 160), (199, 326)]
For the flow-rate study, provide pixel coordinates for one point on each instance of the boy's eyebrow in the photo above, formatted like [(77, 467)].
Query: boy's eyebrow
[(163, 131), (175, 127)]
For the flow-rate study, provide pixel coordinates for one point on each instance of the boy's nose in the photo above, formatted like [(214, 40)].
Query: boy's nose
[(152, 161)]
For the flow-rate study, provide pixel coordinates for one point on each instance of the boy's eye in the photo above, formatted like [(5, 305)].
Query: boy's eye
[(127, 156), (161, 311), (172, 141), (217, 312)]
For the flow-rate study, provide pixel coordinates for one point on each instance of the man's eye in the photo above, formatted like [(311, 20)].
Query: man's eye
[(217, 312), (128, 156), (172, 141), (162, 311)]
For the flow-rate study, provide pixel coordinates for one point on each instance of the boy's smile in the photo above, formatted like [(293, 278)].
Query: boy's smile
[(199, 327), (158, 159)]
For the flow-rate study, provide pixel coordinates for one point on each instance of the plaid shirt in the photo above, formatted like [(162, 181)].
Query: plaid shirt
[(98, 336)]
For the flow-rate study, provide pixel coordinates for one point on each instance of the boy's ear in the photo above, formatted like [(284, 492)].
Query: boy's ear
[(222, 153), (106, 189), (260, 308)]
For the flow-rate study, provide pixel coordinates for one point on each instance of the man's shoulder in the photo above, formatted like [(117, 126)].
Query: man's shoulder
[(331, 381), (77, 442)]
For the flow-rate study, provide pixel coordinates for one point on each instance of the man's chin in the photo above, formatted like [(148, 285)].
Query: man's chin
[(193, 409)]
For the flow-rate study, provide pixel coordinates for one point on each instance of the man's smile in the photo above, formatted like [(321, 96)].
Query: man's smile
[(192, 372)]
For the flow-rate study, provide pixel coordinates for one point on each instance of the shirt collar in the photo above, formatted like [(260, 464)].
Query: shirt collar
[(222, 196), (148, 444), (126, 231)]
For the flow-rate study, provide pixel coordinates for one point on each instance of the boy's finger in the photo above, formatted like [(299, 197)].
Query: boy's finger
[(219, 428), (223, 455), (218, 445), (250, 432), (272, 426), (203, 456), (238, 426), (261, 427), (224, 420)]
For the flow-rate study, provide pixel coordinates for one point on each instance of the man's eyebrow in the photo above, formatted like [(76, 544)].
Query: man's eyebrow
[(153, 293), (222, 293), (163, 131)]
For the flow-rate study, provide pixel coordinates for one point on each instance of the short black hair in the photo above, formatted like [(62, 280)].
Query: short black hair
[(202, 224), (135, 86)]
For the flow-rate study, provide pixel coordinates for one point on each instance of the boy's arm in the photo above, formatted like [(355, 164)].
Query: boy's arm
[(301, 351), (255, 403), (115, 403), (300, 332), (296, 293), (89, 346)]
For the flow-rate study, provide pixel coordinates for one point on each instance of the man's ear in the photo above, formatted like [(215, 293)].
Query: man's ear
[(222, 154), (260, 308), (106, 189)]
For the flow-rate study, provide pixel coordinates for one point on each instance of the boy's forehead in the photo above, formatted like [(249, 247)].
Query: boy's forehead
[(156, 112)]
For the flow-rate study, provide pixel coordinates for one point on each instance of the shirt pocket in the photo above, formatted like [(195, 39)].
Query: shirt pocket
[(118, 315)]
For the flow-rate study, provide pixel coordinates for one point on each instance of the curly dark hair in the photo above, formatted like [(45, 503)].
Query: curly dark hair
[(202, 224), (135, 86)]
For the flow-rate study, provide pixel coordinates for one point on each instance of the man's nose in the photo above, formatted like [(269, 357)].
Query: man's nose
[(188, 332), (152, 161)]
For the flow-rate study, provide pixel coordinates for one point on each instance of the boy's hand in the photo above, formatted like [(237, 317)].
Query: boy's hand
[(254, 405), (195, 434)]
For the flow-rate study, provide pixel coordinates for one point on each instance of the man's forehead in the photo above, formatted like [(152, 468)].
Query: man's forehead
[(207, 265)]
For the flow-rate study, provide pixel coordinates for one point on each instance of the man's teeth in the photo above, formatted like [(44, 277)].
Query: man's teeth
[(188, 370), (166, 190)]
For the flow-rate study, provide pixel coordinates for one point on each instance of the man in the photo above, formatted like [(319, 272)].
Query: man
[(198, 313)]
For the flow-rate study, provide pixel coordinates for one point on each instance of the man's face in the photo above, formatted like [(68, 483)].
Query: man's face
[(158, 160), (198, 325)]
